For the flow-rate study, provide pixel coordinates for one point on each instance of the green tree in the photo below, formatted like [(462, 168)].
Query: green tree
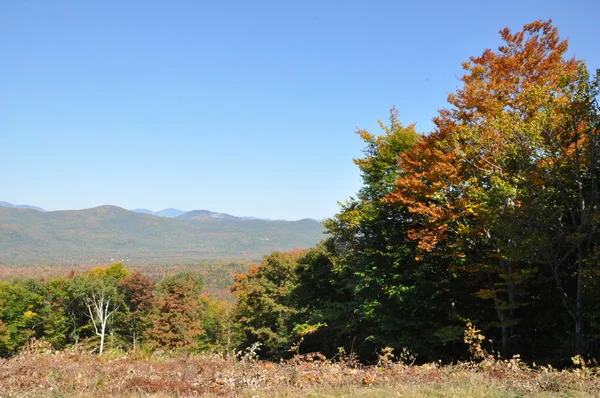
[(19, 314), (98, 290), (264, 307), (395, 299), (52, 323), (321, 298)]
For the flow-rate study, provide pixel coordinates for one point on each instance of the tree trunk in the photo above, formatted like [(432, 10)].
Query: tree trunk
[(102, 337), (501, 318), (510, 289), (579, 300)]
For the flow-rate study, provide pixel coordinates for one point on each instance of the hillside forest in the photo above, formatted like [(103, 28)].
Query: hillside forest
[(489, 222)]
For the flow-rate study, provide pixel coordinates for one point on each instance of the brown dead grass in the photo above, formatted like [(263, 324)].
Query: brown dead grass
[(76, 373)]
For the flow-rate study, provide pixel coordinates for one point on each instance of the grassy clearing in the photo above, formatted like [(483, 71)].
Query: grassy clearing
[(76, 373)]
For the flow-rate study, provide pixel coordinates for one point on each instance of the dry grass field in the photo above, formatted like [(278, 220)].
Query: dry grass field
[(37, 372)]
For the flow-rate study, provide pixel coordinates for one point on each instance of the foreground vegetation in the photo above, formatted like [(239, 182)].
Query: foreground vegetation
[(39, 371), (113, 307)]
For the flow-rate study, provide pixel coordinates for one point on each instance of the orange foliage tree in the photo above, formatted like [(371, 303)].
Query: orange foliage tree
[(178, 310), (515, 128)]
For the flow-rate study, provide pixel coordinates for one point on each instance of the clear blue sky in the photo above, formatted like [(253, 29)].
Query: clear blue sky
[(244, 107)]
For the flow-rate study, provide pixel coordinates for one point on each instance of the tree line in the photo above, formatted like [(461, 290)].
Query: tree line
[(111, 307), (491, 219)]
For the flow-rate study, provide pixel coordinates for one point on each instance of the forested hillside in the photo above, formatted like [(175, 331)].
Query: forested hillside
[(108, 233)]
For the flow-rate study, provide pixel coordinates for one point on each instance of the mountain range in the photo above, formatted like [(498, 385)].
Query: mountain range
[(168, 213), (30, 235), (6, 204)]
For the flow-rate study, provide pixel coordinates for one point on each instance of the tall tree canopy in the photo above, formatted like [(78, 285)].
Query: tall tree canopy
[(507, 179)]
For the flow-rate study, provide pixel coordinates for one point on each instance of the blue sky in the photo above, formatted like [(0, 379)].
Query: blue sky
[(244, 107)]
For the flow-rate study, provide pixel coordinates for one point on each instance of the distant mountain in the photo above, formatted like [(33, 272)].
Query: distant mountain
[(169, 213), (143, 211), (6, 204), (208, 215), (106, 233)]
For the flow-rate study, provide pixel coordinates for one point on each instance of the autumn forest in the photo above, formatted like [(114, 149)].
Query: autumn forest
[(489, 222)]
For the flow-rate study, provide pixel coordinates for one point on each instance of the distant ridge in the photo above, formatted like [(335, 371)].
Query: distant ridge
[(10, 205), (101, 234), (168, 213)]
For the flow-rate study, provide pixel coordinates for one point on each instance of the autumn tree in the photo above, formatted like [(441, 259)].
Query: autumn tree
[(138, 297), (563, 185), (487, 166), (175, 320), (394, 300)]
